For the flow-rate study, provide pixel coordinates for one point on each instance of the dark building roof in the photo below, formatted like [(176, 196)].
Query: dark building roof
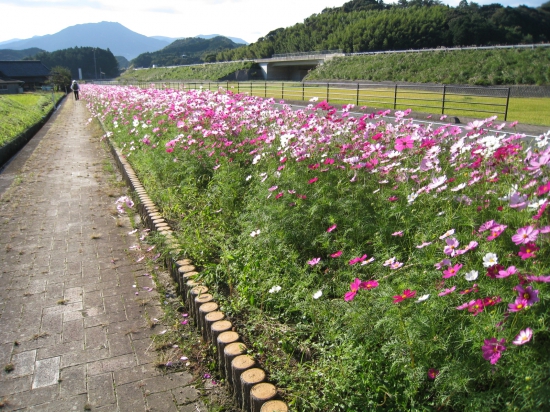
[(7, 80), (23, 68)]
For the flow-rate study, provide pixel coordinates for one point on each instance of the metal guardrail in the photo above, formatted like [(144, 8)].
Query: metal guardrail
[(436, 99), (439, 49), (308, 53)]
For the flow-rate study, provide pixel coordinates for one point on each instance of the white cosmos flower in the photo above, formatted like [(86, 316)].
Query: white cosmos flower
[(275, 289), (423, 298), (490, 259), (471, 275), (255, 233), (318, 294)]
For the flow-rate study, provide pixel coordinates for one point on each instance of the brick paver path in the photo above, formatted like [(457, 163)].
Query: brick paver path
[(70, 323)]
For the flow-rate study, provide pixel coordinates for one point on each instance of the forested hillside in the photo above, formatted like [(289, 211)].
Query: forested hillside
[(105, 64), (474, 67), (9, 54), (365, 25), (186, 51)]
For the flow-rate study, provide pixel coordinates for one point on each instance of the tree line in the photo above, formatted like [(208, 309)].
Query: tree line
[(370, 25)]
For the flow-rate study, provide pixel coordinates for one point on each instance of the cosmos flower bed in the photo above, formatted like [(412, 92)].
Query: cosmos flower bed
[(374, 264)]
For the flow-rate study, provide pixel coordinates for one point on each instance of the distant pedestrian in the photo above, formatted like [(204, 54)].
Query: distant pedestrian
[(75, 88)]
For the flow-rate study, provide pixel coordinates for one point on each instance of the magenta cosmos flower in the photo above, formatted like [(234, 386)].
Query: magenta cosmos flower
[(523, 337), (432, 373), (451, 271), (527, 251), (336, 254), (493, 349), (356, 285), (331, 228), (527, 293), (519, 304), (525, 235), (407, 293)]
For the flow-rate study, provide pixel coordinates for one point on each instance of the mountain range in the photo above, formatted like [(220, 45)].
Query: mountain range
[(105, 35)]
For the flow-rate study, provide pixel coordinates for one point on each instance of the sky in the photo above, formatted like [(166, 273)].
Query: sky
[(245, 19)]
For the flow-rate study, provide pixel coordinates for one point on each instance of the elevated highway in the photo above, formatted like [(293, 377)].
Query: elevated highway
[(293, 66)]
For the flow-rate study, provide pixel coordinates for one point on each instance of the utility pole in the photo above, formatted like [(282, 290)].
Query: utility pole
[(95, 65)]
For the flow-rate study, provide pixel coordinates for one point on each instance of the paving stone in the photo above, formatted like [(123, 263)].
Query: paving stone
[(72, 381), (23, 363), (46, 372), (101, 390), (73, 330), (162, 401), (130, 398), (185, 395)]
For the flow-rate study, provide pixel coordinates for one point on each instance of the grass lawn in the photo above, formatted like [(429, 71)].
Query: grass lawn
[(524, 110), (23, 110)]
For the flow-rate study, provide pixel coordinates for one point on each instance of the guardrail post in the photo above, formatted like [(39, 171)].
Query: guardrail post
[(265, 89), (357, 96), (395, 97), (443, 100), (227, 87), (282, 90), (328, 88), (250, 88), (507, 101), (303, 91)]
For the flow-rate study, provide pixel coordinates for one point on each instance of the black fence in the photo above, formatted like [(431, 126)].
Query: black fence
[(447, 100)]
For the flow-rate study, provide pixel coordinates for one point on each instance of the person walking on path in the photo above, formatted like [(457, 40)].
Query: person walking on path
[(75, 88), (74, 333)]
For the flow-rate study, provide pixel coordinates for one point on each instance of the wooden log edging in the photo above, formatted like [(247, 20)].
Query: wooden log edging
[(246, 380)]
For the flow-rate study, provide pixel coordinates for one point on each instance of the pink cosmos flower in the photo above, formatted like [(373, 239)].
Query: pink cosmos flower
[(432, 373), (452, 244), (357, 260), (444, 262), (452, 271), (370, 284), (407, 293), (492, 349), (396, 265), (540, 279), (531, 296), (496, 231), (423, 245), (400, 233), (392, 198), (472, 245), (518, 201), (525, 235), (313, 180), (336, 254), (487, 225), (472, 289), (447, 234), (541, 211), (447, 291), (273, 188), (519, 304), (331, 228), (505, 273), (279, 195), (523, 337), (313, 261), (404, 143)]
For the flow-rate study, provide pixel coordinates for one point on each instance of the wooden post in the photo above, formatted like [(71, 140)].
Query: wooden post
[(182, 281), (209, 319), (200, 300), (238, 366), (224, 339), (193, 293), (274, 406), (260, 394), (230, 352), (205, 309), (216, 330), (249, 378)]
